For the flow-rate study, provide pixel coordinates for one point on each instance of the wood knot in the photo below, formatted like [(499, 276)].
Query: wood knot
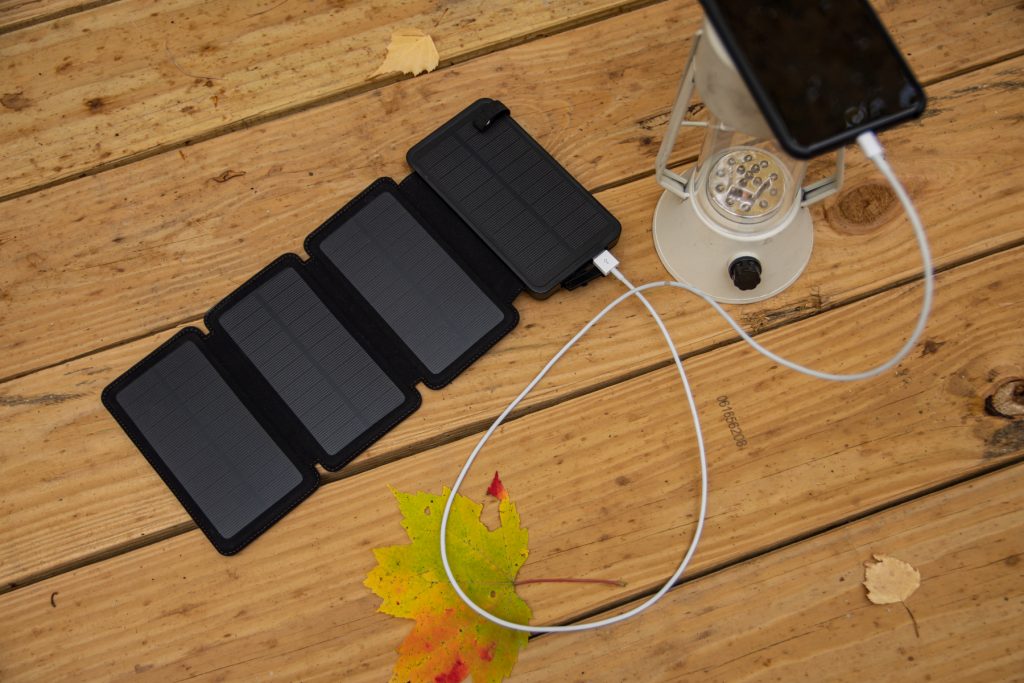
[(1007, 400), (15, 101), (862, 208), (227, 175)]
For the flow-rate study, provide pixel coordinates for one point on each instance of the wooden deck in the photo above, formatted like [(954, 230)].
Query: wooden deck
[(116, 117)]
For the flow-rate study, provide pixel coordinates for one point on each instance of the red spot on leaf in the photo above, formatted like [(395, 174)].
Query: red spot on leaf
[(487, 653), (457, 673), (497, 489)]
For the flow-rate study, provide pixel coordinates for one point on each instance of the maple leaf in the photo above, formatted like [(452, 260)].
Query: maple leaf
[(449, 641), (410, 51), (889, 581)]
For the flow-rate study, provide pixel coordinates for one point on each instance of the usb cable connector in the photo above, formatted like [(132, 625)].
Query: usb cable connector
[(606, 262)]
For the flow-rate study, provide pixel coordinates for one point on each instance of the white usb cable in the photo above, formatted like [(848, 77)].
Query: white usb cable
[(608, 264)]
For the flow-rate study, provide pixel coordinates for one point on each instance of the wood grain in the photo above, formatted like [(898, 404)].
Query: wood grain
[(136, 249), (77, 487), (139, 75), (801, 613), (606, 484), (15, 14)]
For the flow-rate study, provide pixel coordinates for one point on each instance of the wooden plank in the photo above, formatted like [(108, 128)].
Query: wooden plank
[(116, 498), (159, 240), (139, 75), (15, 14), (606, 484), (801, 613)]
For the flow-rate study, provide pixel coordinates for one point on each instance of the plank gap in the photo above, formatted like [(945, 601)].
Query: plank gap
[(197, 320), (101, 556), (190, 320), (51, 16)]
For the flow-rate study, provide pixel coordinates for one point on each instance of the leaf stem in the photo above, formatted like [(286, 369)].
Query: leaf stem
[(917, 632), (606, 582)]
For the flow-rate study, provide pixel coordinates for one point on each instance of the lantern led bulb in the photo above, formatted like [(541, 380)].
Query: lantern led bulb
[(747, 184)]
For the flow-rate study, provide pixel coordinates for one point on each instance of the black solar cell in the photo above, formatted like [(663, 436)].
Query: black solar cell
[(208, 440), (411, 281), (522, 202)]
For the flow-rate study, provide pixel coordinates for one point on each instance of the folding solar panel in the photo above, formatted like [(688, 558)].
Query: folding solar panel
[(311, 361)]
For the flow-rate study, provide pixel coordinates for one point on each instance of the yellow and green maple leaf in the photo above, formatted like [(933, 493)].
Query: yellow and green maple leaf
[(450, 642)]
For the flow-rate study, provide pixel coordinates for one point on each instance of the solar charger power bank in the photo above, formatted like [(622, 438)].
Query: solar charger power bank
[(311, 361)]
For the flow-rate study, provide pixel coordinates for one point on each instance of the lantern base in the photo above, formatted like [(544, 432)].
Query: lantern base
[(697, 255)]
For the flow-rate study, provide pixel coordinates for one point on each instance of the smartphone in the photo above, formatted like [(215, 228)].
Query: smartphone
[(822, 71)]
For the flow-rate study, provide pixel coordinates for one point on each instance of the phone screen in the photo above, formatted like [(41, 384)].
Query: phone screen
[(822, 71)]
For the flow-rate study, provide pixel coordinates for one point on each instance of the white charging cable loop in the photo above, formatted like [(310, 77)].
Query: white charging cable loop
[(608, 265)]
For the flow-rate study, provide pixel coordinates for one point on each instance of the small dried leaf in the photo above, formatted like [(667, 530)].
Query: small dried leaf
[(890, 580), (410, 51)]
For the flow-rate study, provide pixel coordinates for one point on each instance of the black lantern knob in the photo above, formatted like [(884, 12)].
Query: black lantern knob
[(745, 272)]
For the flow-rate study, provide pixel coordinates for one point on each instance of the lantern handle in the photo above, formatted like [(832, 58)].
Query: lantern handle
[(670, 180)]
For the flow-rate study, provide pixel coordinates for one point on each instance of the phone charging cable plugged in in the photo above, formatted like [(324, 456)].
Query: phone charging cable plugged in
[(608, 265)]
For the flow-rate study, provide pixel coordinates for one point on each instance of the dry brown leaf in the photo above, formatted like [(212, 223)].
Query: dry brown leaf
[(890, 580), (410, 51)]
